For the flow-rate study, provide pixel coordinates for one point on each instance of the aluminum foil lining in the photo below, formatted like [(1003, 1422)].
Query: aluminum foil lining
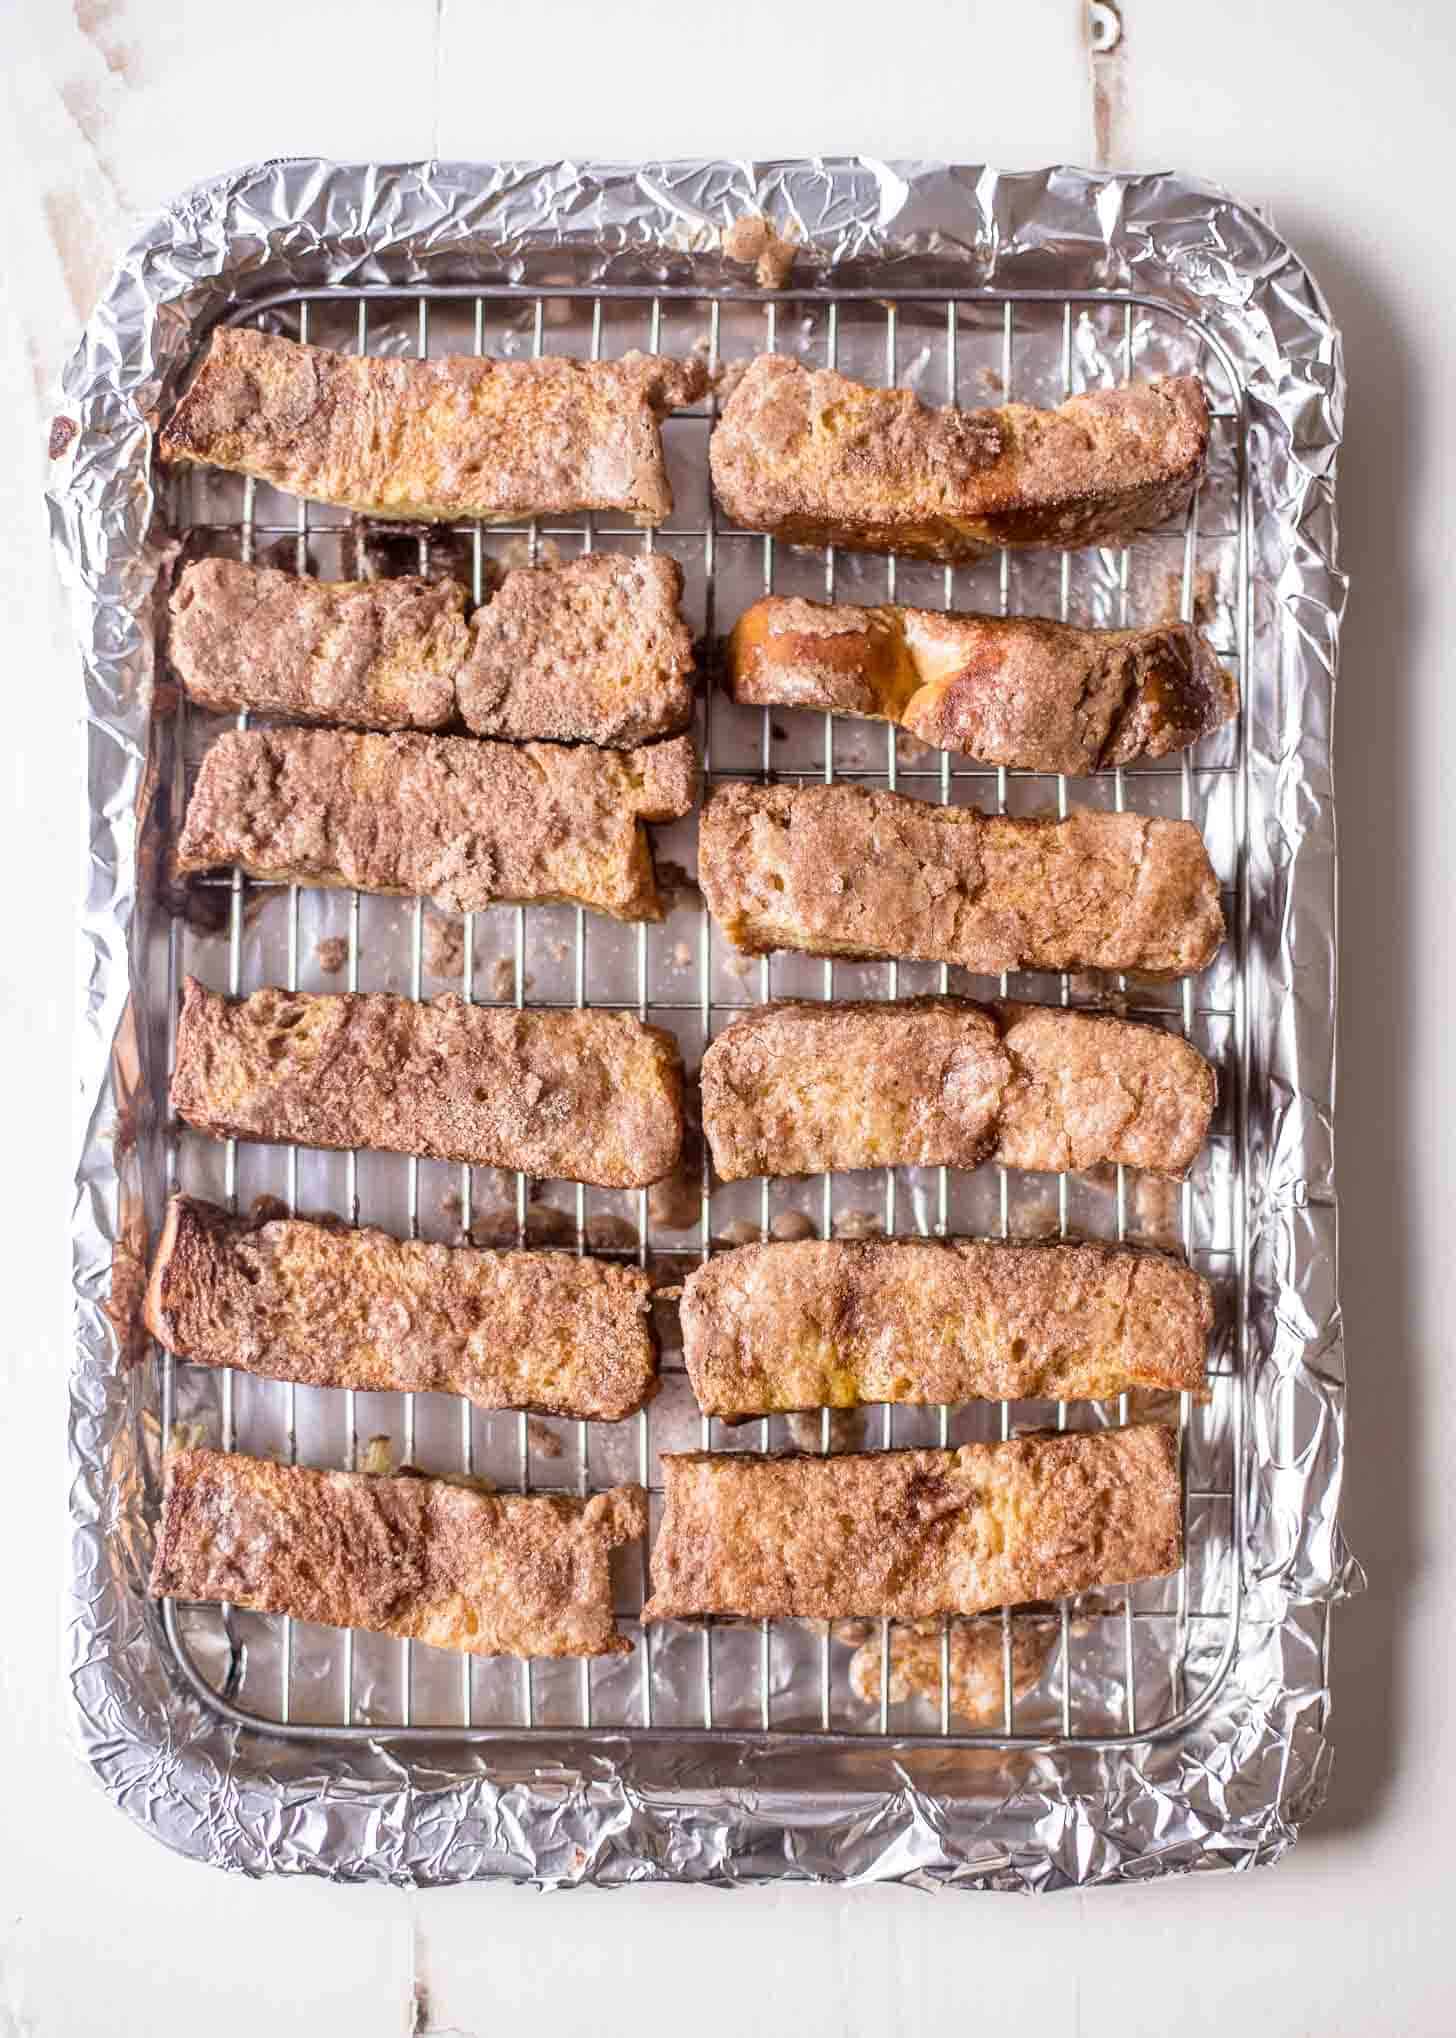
[(1231, 1786)]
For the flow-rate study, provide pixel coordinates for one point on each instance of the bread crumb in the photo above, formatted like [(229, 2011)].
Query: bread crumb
[(503, 980), (740, 1231), (846, 1429), (792, 1224), (331, 954), (753, 239), (975, 1664), (1038, 1218), (378, 1457), (442, 950), (543, 1437), (858, 1224), (990, 381), (682, 954)]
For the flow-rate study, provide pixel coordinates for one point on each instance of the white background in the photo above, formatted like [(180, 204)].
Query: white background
[(1336, 114)]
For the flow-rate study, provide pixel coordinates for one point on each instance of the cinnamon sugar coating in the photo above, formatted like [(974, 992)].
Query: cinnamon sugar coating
[(372, 654), (793, 1089), (1006, 690), (910, 1534), (328, 1306), (844, 870), (463, 822), (593, 651), (583, 1096), (826, 1323), (810, 456), (488, 1574), (443, 439)]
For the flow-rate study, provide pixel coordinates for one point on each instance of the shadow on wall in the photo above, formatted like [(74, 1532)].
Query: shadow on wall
[(1383, 448)]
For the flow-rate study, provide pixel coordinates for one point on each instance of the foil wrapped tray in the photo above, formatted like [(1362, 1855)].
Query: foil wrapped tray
[(1174, 1727)]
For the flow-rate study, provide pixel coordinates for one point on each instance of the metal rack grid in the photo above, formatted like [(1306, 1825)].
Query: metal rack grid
[(1128, 1665)]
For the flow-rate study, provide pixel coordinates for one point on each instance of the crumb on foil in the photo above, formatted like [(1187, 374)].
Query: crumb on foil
[(442, 950), (858, 1224), (543, 1437), (753, 239), (974, 1662)]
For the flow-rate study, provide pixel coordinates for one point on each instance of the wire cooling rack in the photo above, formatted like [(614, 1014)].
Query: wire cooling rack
[(1103, 1668)]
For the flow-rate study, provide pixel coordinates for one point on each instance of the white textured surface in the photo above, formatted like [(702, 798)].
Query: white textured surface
[(1336, 115)]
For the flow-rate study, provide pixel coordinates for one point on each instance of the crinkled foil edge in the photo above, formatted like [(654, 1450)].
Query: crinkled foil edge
[(1232, 1787)]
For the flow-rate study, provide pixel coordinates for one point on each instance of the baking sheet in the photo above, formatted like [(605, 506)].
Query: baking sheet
[(1248, 1760)]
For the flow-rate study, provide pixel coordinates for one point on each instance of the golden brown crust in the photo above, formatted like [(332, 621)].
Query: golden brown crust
[(843, 870), (818, 459), (372, 654), (466, 823), (592, 651), (327, 1306), (489, 1574), (1006, 690), (587, 1096), (910, 1534), (794, 1089), (456, 437), (829, 1323)]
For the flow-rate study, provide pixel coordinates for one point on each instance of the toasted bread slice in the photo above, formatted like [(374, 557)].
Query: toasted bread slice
[(445, 439), (583, 1096), (328, 1306), (842, 870), (911, 1534), (490, 1574), (795, 1089), (835, 1323), (371, 654), (1006, 690), (592, 651), (810, 456), (466, 823)]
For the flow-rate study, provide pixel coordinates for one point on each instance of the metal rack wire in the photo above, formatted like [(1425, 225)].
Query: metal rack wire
[(1131, 1664)]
